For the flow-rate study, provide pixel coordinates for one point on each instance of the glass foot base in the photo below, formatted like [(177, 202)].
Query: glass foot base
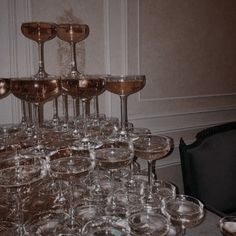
[(152, 201), (86, 144), (117, 210), (122, 135), (71, 135)]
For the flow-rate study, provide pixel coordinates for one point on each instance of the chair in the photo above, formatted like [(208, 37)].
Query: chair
[(209, 168)]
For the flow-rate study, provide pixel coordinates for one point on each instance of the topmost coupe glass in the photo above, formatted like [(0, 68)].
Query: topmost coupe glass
[(73, 33), (39, 32)]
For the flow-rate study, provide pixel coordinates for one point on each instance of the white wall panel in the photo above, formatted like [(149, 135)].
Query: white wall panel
[(187, 52)]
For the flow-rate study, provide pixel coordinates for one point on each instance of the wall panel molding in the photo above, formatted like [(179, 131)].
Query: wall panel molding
[(187, 113), (107, 55), (13, 56), (125, 35), (186, 97), (184, 124), (17, 50)]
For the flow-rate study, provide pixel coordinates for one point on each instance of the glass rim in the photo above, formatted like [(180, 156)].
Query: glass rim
[(112, 221), (39, 22), (27, 78), (38, 164), (127, 76), (85, 76), (185, 197), (228, 218), (73, 24)]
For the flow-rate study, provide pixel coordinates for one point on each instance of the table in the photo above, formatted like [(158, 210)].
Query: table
[(209, 227)]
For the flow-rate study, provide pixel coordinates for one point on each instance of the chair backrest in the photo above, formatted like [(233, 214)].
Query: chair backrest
[(209, 168)]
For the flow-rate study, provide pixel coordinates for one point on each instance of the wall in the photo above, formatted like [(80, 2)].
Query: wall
[(186, 49)]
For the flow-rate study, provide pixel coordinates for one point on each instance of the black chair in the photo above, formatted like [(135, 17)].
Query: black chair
[(209, 168)]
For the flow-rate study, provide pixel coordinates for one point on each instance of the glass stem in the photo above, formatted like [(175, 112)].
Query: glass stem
[(29, 130), (30, 114), (124, 116), (112, 188), (96, 108), (84, 116), (36, 117), (97, 186), (60, 198), (77, 107), (19, 213), (37, 123), (76, 130), (55, 108), (154, 170), (40, 115), (150, 163), (132, 172), (41, 73), (71, 203), (88, 107), (182, 231), (131, 182), (74, 70), (24, 116), (65, 110)]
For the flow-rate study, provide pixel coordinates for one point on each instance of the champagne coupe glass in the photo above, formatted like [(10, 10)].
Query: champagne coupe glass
[(138, 131), (51, 223), (124, 86), (113, 158), (84, 87), (51, 194), (152, 148), (161, 188), (164, 189), (57, 186), (11, 139), (70, 169), (40, 32), (105, 225), (184, 211), (72, 33), (87, 212), (37, 92), (148, 222), (18, 174), (227, 225)]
